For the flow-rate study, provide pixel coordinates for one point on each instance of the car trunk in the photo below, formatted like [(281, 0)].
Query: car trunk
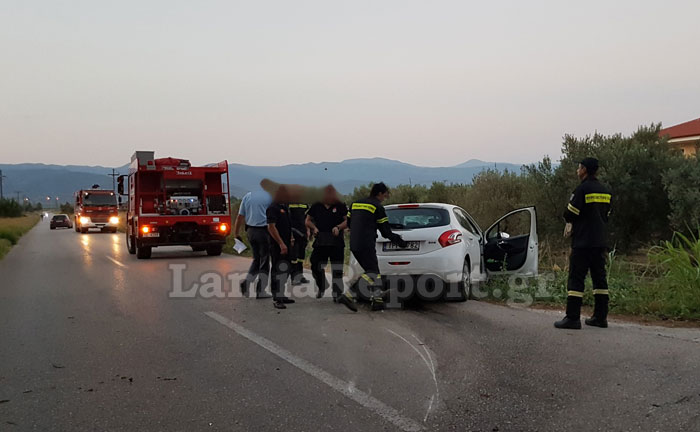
[(419, 225), (426, 238)]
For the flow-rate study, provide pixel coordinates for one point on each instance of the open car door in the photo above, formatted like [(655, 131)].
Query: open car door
[(510, 244)]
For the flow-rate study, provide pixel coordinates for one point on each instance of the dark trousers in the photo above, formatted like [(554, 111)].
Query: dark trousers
[(298, 256), (319, 258), (580, 262), (370, 282), (281, 266), (259, 240)]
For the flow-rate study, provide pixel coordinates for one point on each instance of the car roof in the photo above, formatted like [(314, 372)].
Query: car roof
[(423, 205), (60, 214)]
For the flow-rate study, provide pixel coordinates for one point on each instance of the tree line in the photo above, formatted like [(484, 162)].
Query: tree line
[(656, 189)]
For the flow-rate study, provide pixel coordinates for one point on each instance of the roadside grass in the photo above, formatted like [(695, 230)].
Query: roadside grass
[(12, 228), (666, 287)]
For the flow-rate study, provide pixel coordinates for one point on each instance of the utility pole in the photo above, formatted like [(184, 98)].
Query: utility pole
[(114, 176), (18, 192), (1, 177)]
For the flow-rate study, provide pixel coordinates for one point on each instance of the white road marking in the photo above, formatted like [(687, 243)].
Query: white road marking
[(347, 389), (115, 261), (428, 363)]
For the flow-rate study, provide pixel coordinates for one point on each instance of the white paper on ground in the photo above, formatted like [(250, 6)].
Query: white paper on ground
[(239, 246)]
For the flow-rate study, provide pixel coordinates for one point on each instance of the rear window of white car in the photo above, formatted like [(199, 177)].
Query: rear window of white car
[(417, 217)]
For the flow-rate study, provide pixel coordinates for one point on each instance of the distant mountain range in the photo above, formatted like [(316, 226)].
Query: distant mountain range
[(37, 181)]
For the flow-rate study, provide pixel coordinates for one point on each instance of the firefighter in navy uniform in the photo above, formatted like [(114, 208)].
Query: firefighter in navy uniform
[(587, 216), (365, 217), (297, 212)]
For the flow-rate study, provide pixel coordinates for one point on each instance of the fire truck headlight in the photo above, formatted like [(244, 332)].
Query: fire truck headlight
[(114, 220), (145, 229), (84, 220), (223, 227)]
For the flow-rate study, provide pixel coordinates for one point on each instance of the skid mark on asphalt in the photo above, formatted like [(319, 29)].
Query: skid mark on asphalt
[(348, 390), (428, 360), (115, 261)]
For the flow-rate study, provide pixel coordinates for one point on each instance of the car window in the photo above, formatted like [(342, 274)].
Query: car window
[(464, 221), (417, 217), (515, 225)]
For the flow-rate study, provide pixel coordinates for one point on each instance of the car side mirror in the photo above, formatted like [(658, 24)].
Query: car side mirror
[(120, 186)]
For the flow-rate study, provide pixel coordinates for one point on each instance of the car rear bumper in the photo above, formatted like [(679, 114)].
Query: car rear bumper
[(446, 264)]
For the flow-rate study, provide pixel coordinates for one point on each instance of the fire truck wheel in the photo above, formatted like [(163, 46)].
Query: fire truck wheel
[(83, 230), (130, 244), (214, 250), (143, 252), (77, 228)]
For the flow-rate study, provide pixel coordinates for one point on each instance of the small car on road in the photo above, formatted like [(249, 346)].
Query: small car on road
[(447, 252), (60, 220)]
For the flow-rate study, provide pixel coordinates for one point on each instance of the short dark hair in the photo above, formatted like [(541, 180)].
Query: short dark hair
[(591, 165), (378, 188)]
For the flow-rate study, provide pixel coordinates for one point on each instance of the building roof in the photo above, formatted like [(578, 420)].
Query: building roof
[(687, 129)]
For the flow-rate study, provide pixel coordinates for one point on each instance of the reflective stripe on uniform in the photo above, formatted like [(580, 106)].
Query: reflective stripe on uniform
[(573, 209), (598, 198), (363, 206), (575, 293), (369, 279), (382, 220), (601, 291), (298, 206)]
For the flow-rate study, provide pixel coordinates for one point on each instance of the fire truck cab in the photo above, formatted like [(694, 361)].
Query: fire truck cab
[(172, 203), (96, 208)]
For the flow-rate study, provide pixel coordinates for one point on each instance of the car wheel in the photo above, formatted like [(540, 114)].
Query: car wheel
[(53, 227), (143, 252), (214, 250), (130, 244), (465, 285)]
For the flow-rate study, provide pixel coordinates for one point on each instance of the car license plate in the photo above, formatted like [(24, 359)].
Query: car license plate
[(152, 235), (411, 246)]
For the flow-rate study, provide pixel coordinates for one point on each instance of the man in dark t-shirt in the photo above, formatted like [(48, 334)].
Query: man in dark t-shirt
[(327, 221), (279, 225)]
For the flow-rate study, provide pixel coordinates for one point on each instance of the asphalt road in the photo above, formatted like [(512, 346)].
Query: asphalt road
[(90, 339)]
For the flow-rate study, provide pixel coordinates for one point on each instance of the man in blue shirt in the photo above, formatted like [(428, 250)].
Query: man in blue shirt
[(252, 214)]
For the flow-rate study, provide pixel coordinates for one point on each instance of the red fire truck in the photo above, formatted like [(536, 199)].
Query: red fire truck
[(171, 203), (95, 208)]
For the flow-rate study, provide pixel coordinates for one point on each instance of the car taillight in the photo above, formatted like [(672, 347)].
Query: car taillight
[(450, 237)]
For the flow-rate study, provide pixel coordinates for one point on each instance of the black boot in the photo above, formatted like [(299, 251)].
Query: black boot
[(568, 323), (346, 300), (597, 322), (572, 320), (244, 287), (377, 304), (600, 312)]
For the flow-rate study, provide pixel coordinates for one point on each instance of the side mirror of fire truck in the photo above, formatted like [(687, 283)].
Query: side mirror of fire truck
[(120, 185)]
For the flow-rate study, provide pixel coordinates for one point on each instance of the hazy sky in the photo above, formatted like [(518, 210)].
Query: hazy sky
[(276, 82)]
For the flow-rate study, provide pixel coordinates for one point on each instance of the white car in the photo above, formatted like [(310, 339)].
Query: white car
[(448, 252)]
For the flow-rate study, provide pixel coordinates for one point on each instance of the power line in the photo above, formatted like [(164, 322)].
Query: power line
[(1, 177), (114, 176)]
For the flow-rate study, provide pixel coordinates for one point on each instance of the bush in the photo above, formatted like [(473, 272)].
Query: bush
[(10, 208), (681, 184)]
